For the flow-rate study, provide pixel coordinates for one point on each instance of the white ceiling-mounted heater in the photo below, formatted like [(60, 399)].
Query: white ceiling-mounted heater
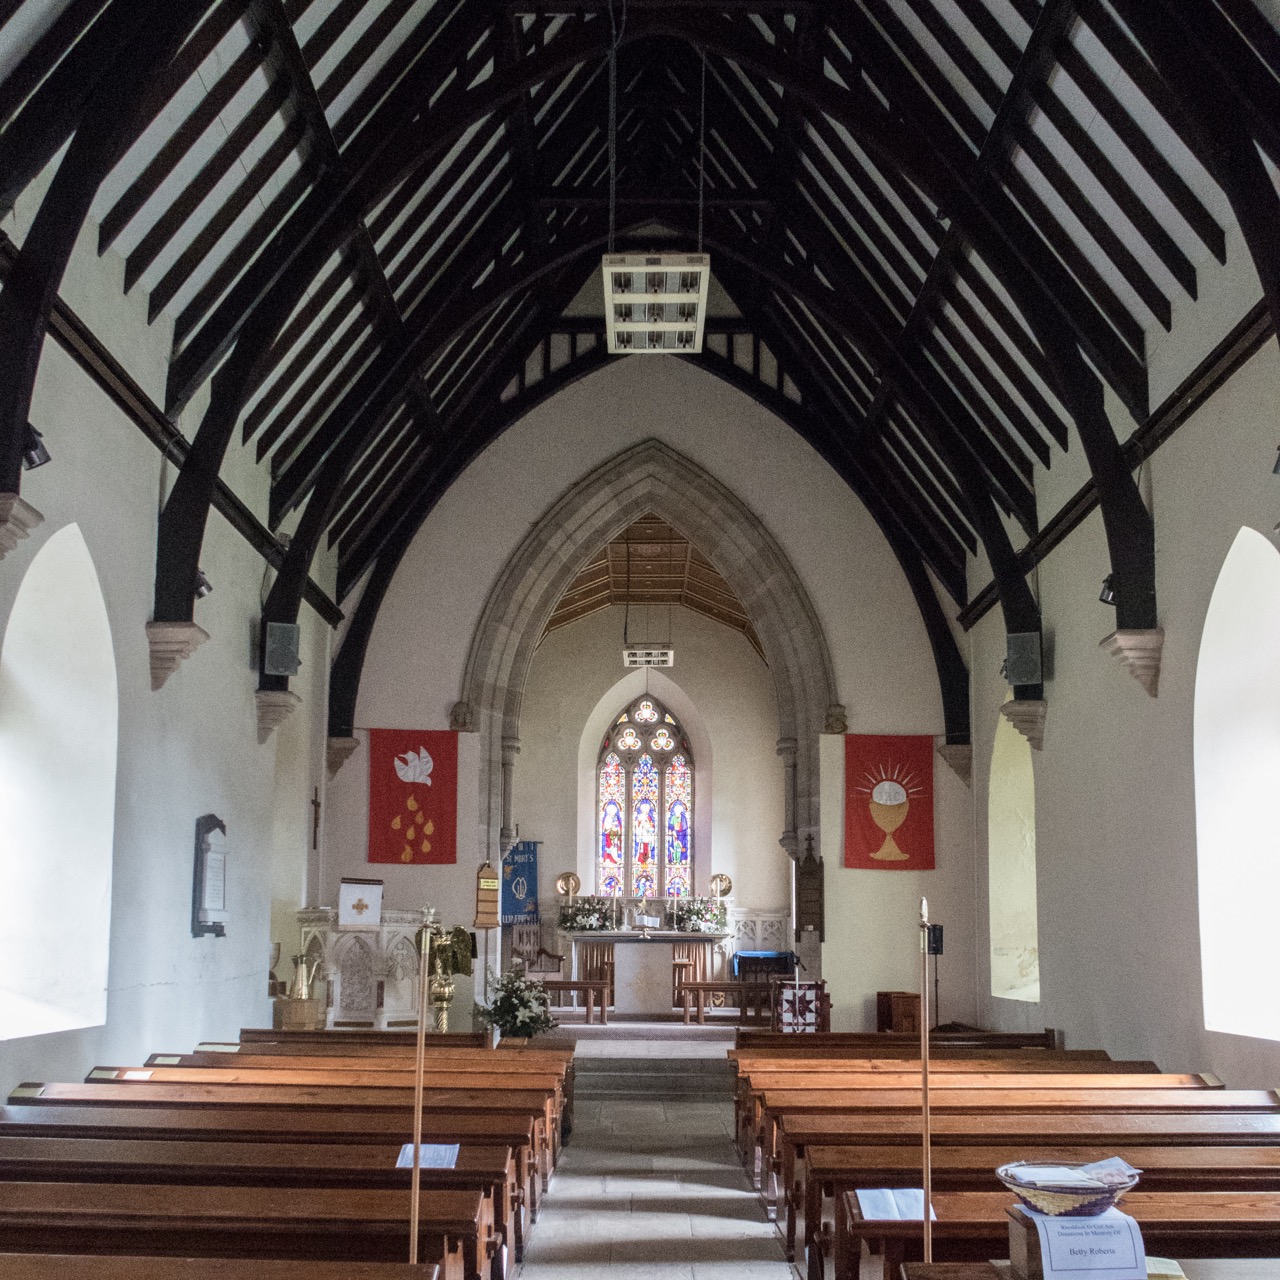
[(655, 304)]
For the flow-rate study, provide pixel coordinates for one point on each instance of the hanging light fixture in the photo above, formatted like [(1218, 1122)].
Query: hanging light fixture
[(656, 303)]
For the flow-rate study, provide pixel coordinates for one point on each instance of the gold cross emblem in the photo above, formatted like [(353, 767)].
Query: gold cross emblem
[(359, 906)]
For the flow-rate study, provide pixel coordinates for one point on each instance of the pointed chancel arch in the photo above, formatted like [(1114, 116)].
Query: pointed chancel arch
[(1237, 762), (650, 478), (59, 718)]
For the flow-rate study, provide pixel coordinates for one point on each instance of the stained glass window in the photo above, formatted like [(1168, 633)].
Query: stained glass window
[(644, 829), (679, 798), (613, 797), (645, 812)]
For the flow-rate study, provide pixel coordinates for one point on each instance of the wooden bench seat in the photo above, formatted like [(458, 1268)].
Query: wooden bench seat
[(358, 1035), (831, 1171), (540, 1104), (62, 1266), (973, 1225), (254, 1222), (754, 1087), (230, 1124), (1195, 1268), (490, 1170), (753, 1000), (596, 991), (1116, 1130), (999, 1040), (866, 1104)]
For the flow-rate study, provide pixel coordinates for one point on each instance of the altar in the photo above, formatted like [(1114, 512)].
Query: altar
[(643, 964)]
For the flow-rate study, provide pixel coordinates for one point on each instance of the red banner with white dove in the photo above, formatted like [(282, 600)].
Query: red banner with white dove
[(888, 802), (413, 796)]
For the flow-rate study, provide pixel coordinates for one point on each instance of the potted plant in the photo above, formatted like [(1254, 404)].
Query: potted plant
[(519, 1007)]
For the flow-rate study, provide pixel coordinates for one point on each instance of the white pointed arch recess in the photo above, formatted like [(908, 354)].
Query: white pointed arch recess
[(59, 724), (1237, 763), (1011, 867), (649, 478)]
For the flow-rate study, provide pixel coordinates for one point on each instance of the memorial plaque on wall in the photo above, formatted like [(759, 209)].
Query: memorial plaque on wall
[(810, 896)]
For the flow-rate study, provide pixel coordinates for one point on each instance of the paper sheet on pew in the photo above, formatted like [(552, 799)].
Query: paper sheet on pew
[(1105, 1247), (431, 1155), (900, 1204)]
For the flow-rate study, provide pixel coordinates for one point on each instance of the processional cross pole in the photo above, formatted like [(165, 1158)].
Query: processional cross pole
[(315, 819), (926, 1136)]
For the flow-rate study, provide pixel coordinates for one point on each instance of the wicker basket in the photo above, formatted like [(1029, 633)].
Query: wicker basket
[(1064, 1202)]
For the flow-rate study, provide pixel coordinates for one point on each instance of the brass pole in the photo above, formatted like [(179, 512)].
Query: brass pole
[(419, 1067), (927, 1157)]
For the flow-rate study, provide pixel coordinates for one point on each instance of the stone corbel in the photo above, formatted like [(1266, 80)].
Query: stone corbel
[(17, 519), (462, 719), (959, 758), (837, 721), (1140, 653), (337, 752), (1028, 718), (275, 706), (169, 644)]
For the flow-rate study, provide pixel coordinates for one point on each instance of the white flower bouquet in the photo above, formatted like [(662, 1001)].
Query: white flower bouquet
[(520, 1006), (586, 915), (699, 915)]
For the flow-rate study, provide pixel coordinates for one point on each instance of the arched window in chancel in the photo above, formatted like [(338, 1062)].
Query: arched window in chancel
[(613, 800), (645, 808)]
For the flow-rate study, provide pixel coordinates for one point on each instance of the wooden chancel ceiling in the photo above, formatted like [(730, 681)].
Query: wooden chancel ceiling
[(917, 210), (650, 564)]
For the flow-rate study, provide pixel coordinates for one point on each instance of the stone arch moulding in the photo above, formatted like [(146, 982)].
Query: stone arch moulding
[(650, 477)]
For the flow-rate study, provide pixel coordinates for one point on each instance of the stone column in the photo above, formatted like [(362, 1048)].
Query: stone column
[(787, 751), (510, 749)]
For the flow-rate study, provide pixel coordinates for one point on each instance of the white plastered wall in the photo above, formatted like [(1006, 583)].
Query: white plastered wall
[(723, 695), (880, 653), (189, 749), (1115, 803)]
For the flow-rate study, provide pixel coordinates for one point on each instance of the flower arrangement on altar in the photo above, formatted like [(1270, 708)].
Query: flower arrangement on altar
[(520, 1006), (700, 915), (587, 914)]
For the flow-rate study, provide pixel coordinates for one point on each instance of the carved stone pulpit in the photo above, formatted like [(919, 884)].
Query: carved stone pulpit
[(370, 975)]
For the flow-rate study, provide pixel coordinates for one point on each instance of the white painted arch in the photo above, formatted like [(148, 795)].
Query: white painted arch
[(650, 478)]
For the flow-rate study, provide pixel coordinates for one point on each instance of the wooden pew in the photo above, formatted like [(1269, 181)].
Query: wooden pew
[(754, 1086), (974, 1225), (864, 1104), (538, 1104), (1119, 1131), (392, 1058), (358, 1035), (489, 1170), (236, 1222), (835, 1170), (229, 1124), (877, 1040), (63, 1266), (497, 1083), (753, 1000), (1195, 1268)]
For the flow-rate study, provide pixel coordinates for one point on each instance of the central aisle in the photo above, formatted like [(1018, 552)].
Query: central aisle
[(653, 1191)]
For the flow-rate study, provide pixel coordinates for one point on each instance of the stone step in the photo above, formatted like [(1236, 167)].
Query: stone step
[(713, 1067)]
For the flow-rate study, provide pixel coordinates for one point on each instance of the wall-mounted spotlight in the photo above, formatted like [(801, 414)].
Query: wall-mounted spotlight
[(1107, 595), (203, 586), (34, 454)]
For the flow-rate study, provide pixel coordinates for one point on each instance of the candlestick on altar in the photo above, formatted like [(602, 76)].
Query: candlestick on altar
[(419, 1066), (926, 1135)]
